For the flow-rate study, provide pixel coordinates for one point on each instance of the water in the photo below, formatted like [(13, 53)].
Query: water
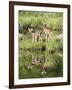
[(40, 64)]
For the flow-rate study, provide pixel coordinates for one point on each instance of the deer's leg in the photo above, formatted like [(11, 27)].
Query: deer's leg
[(50, 36), (40, 38), (37, 38), (33, 38), (46, 37)]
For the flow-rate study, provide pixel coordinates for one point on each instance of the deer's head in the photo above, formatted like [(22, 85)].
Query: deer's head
[(30, 29)]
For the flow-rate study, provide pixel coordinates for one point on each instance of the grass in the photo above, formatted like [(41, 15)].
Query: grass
[(26, 43), (34, 20), (54, 60), (48, 54)]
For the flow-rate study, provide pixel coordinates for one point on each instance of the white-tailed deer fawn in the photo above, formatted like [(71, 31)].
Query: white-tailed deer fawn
[(35, 35), (47, 31)]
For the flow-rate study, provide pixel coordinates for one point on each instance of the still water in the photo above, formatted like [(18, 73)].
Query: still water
[(40, 64)]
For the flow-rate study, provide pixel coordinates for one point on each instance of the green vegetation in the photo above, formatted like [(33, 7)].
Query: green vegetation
[(34, 20), (40, 59), (54, 64)]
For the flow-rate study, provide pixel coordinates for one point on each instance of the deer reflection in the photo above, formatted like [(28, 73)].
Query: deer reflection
[(39, 60)]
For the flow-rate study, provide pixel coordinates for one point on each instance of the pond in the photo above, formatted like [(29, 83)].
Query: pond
[(40, 64)]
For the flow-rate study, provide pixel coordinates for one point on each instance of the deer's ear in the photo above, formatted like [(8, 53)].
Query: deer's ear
[(28, 29)]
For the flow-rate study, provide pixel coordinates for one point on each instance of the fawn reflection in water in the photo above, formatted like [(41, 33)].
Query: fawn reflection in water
[(40, 64)]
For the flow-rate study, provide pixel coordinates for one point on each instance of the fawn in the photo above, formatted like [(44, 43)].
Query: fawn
[(35, 35), (47, 31)]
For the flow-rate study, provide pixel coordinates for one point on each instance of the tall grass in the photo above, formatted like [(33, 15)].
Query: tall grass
[(54, 65), (34, 20), (51, 56)]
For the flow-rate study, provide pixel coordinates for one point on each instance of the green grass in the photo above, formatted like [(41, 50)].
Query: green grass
[(54, 61), (52, 56), (34, 20), (26, 43)]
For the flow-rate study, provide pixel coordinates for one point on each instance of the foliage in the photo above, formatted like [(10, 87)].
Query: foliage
[(50, 53), (33, 19)]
